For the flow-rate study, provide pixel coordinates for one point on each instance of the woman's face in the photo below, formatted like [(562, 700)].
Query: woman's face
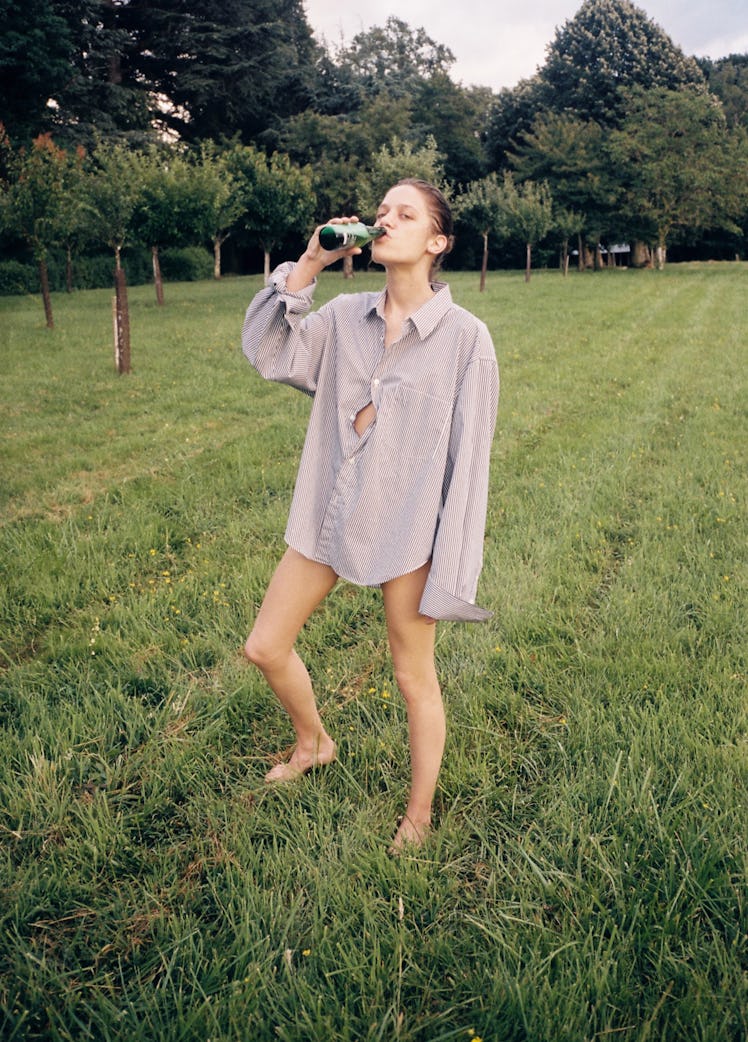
[(409, 226)]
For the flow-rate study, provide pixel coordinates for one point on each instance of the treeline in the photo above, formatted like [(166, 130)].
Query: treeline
[(176, 125)]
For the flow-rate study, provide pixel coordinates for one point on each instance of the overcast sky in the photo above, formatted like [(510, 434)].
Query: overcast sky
[(499, 42)]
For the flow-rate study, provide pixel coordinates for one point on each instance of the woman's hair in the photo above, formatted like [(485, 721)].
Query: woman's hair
[(440, 211)]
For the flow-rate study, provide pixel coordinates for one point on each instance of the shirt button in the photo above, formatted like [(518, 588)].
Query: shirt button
[(352, 417), (376, 382)]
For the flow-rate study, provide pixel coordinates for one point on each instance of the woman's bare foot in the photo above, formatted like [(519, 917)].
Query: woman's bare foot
[(410, 833), (303, 760)]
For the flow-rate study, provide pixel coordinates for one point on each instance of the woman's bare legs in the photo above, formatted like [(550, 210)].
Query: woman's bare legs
[(412, 639), (296, 589)]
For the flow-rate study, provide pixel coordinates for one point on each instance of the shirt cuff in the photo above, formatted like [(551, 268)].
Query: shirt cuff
[(437, 603), (296, 302)]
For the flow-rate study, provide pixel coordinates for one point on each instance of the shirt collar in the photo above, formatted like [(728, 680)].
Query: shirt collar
[(428, 316)]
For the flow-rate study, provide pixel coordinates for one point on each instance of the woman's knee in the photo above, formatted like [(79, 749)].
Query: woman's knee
[(264, 654), (419, 684)]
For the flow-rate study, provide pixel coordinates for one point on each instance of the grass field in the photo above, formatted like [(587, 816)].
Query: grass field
[(588, 877)]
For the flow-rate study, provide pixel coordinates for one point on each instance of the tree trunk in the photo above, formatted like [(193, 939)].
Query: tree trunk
[(44, 280), (347, 267), (267, 266), (640, 257), (157, 280), (528, 261), (580, 252), (69, 270), (661, 255), (122, 321), (217, 257), (484, 262), (565, 258)]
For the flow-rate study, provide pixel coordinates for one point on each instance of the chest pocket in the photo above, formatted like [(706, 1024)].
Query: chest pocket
[(412, 423)]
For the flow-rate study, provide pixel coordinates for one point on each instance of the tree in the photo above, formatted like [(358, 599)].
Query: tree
[(512, 114), (680, 167), (36, 50), (482, 207), (113, 194), (216, 194), (73, 225), (223, 67), (570, 155), (394, 58), (31, 201), (529, 214), (728, 79), (593, 63), (567, 223), (609, 48), (277, 196), (455, 117), (395, 161), (169, 210), (339, 151), (105, 94)]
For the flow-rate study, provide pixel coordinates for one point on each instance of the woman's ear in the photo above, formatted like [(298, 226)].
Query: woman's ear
[(438, 244)]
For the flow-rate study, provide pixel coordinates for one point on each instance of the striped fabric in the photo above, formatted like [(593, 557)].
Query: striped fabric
[(414, 486)]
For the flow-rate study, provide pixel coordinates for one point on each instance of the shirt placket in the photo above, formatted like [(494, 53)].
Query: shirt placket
[(357, 443)]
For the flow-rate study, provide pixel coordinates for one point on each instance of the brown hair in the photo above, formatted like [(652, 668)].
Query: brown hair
[(440, 211)]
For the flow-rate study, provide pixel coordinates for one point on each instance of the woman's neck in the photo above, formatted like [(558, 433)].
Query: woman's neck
[(406, 293)]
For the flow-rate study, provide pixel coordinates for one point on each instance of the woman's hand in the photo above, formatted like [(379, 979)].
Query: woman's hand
[(314, 259)]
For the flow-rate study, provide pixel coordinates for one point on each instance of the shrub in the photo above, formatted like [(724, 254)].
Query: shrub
[(190, 264), (17, 278)]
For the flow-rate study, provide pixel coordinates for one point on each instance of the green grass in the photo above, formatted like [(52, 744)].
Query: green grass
[(588, 876)]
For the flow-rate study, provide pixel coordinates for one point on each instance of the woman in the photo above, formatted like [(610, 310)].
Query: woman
[(393, 478)]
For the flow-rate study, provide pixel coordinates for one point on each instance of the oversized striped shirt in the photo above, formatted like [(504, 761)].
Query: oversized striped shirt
[(413, 487)]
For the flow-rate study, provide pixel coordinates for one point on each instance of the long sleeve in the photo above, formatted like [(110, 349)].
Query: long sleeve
[(458, 548), (281, 338)]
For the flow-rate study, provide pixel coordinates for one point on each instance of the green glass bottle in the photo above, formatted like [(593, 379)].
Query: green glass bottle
[(343, 236)]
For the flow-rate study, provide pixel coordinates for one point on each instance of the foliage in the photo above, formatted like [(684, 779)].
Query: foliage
[(31, 200), (528, 211), (209, 77), (512, 114), (36, 51), (32, 196), (114, 192), (105, 94), (569, 153), (277, 196), (587, 876), (16, 277), (337, 151), (678, 167), (186, 264), (399, 160), (728, 80), (608, 48), (394, 59), (223, 67), (455, 117), (216, 197), (482, 208)]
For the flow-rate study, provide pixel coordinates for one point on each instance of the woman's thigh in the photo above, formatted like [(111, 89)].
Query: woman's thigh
[(297, 587), (411, 635)]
